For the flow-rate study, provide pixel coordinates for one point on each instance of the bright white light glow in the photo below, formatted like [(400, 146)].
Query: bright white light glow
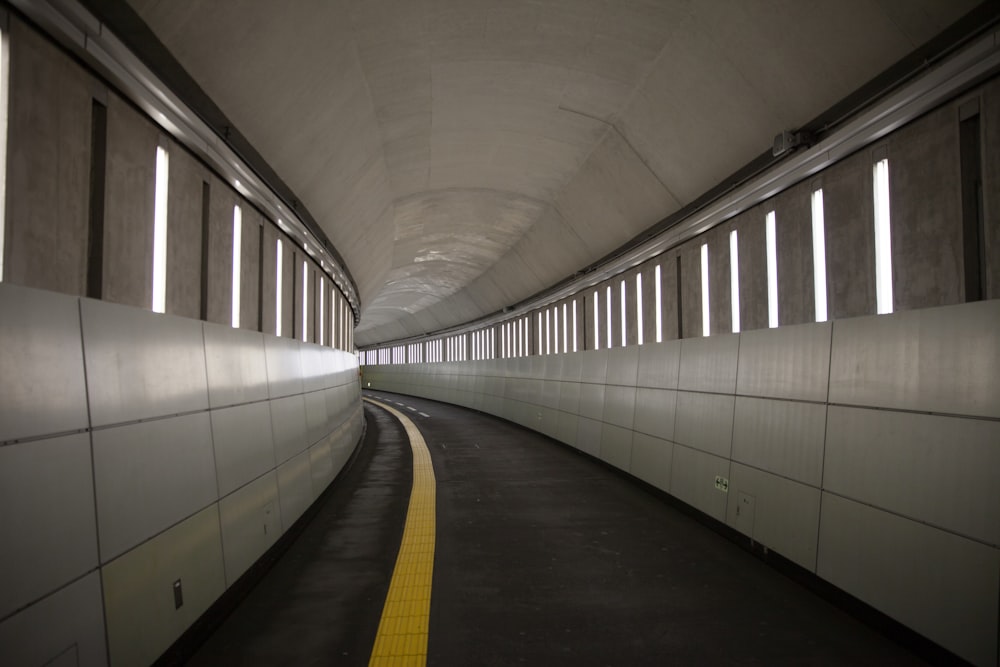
[(734, 279), (574, 325), (538, 316), (3, 150), (597, 317), (555, 329), (305, 300), (772, 271), (623, 312), (883, 241), (548, 334), (160, 231), (819, 255), (565, 330), (277, 299), (237, 256), (322, 310), (608, 309), (659, 308), (638, 306), (705, 324)]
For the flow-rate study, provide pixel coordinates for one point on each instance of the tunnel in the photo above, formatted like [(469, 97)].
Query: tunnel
[(558, 304)]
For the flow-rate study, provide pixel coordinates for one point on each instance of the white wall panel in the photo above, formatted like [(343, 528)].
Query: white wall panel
[(70, 621), (294, 489), (549, 394), (288, 424), (251, 522), (317, 366), (244, 448), (588, 436), (317, 417), (655, 412), (659, 364), (150, 476), (566, 428), (692, 479), (141, 364), (616, 446), (138, 588), (932, 360), (787, 362), (783, 437), (41, 363), (941, 585), (619, 406), (569, 397), (572, 366), (940, 470), (236, 369), (594, 366), (623, 365), (320, 466), (705, 422), (592, 401), (48, 524), (651, 460), (709, 363), (783, 515), (284, 366)]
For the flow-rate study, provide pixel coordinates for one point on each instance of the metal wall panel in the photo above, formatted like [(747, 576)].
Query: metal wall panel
[(236, 369), (692, 479), (572, 366), (549, 422), (316, 367), (244, 448), (41, 363), (588, 436), (569, 397), (288, 425), (251, 522), (566, 428), (616, 446), (549, 395), (138, 588), (320, 466), (619, 406), (783, 515), (284, 366), (938, 470), (70, 619), (594, 366), (150, 476), (898, 566), (705, 422), (783, 437), (651, 460), (655, 412), (659, 365), (141, 364), (592, 401), (933, 360), (294, 489), (623, 365), (48, 524), (709, 364), (317, 417), (787, 362)]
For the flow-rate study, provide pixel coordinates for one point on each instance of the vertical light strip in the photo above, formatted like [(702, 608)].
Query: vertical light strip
[(160, 230), (548, 333), (597, 318), (322, 310), (565, 330), (734, 279), (237, 260), (540, 347), (623, 311), (659, 307), (772, 271), (277, 292), (706, 328), (555, 329), (574, 325), (638, 307), (305, 300), (607, 308), (883, 240), (4, 93), (819, 254)]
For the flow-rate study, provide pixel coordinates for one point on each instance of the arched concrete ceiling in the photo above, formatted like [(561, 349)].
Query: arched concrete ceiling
[(465, 154)]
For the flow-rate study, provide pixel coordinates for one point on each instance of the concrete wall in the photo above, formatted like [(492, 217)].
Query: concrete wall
[(862, 449), (189, 449)]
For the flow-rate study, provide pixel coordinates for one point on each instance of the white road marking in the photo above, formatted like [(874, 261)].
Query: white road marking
[(411, 409), (424, 414)]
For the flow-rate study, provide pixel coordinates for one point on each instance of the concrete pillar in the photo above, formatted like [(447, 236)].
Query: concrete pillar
[(184, 233), (220, 252), (752, 242), (250, 268), (793, 234), (990, 122)]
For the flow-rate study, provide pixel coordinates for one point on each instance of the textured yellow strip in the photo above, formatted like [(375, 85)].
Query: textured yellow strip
[(402, 633)]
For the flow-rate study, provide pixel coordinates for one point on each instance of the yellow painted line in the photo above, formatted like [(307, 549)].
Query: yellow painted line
[(402, 633)]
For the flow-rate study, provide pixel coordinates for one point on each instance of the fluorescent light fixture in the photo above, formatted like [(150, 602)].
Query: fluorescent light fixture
[(160, 230), (237, 255), (623, 311), (277, 290), (883, 240), (638, 306), (4, 90), (305, 300), (819, 254), (540, 348), (706, 329), (608, 309), (772, 271), (565, 330), (659, 307), (548, 334), (734, 279), (597, 317), (555, 328), (322, 310), (574, 325)]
